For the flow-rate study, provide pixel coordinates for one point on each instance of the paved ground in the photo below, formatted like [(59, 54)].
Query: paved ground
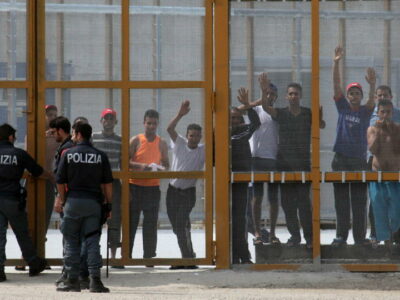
[(207, 283)]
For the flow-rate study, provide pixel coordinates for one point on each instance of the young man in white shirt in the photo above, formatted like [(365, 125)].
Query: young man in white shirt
[(188, 155)]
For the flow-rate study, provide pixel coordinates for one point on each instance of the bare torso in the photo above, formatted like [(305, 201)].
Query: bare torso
[(386, 151)]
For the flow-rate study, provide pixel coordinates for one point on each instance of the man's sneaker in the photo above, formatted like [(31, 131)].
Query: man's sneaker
[(69, 285), (20, 268), (309, 244), (118, 267), (37, 266), (193, 267), (293, 242), (364, 243), (96, 286), (176, 267), (62, 278), (264, 235), (246, 261), (84, 282), (2, 275), (338, 242)]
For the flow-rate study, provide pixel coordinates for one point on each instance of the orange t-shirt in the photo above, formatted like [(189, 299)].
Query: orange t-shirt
[(148, 152)]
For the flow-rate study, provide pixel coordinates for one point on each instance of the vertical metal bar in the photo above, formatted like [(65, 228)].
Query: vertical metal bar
[(222, 186), (208, 122), (342, 42), (109, 55), (296, 44), (250, 50), (11, 94), (125, 104), (40, 68), (60, 58), (155, 48), (387, 70), (315, 172), (30, 109)]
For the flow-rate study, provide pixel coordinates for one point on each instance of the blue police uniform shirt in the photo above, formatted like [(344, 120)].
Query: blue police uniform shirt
[(84, 168), (351, 130), (13, 162)]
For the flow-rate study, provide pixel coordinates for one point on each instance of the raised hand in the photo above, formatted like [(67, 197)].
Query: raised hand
[(371, 76), (263, 81), (243, 97), (185, 108), (339, 52)]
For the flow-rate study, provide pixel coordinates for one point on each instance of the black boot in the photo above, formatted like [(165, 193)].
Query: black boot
[(2, 275), (96, 286), (62, 278), (69, 285), (37, 266), (84, 282)]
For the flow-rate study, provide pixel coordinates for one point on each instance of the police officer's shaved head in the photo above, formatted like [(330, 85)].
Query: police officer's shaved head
[(84, 129), (6, 130), (61, 123), (151, 113)]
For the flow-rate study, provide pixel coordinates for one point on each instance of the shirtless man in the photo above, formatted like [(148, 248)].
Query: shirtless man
[(384, 144)]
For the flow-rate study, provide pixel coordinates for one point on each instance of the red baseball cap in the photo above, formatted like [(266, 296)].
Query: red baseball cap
[(354, 84), (50, 106), (108, 111)]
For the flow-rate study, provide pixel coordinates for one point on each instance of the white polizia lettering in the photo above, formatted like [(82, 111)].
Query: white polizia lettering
[(8, 160), (84, 158)]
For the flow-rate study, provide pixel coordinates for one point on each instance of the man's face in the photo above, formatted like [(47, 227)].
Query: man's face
[(56, 133), (150, 125), (193, 136), (109, 121), (293, 95), (51, 114), (385, 112), (355, 96), (382, 94), (236, 118)]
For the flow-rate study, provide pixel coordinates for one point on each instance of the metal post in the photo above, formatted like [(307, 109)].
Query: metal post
[(387, 45)]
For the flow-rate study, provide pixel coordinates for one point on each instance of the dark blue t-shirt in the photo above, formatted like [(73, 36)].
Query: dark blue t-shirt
[(13, 162), (351, 130), (84, 168)]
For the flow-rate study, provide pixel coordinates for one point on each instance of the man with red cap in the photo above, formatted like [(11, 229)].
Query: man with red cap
[(351, 153), (110, 143)]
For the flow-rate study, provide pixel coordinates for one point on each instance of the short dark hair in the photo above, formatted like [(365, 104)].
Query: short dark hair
[(84, 129), (151, 113), (384, 88), (81, 120), (61, 123), (385, 102), (193, 126), (294, 85), (5, 131)]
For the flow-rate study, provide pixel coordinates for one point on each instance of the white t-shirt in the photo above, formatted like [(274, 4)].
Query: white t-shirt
[(186, 159), (264, 142)]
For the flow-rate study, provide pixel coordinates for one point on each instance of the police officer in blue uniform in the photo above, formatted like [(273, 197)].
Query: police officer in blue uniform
[(85, 173), (13, 162)]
